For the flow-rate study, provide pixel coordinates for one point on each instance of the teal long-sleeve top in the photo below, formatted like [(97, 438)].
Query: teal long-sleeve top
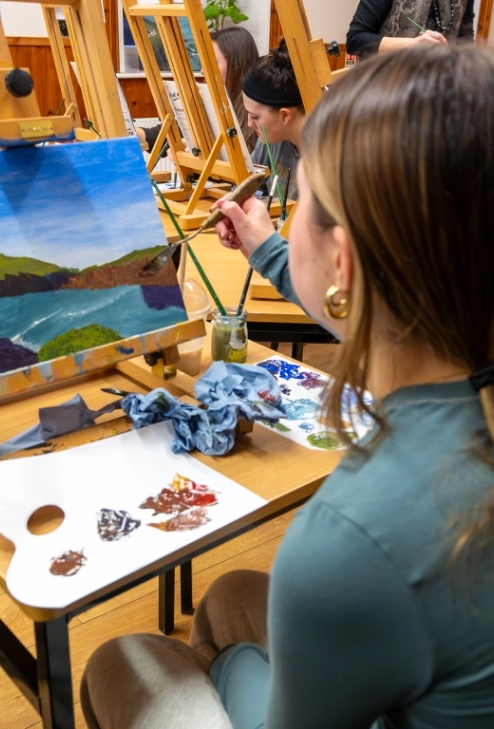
[(369, 624)]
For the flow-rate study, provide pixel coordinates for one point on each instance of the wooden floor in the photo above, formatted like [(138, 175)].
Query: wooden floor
[(136, 610)]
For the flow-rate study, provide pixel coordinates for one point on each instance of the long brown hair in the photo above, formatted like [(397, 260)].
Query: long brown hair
[(240, 51), (401, 153)]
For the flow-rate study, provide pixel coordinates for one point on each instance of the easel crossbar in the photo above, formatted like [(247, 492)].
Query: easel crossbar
[(163, 10)]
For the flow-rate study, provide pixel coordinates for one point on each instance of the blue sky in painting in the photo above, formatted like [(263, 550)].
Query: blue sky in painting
[(77, 205)]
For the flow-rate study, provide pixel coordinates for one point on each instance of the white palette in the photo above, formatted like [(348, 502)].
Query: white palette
[(118, 473), (302, 390)]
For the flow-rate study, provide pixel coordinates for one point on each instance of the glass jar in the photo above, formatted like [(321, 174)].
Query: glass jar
[(229, 337), (197, 306)]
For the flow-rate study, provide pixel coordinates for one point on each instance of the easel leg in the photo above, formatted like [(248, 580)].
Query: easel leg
[(54, 676), (166, 602), (186, 588)]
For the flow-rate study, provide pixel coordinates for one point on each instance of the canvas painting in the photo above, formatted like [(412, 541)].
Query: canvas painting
[(118, 515), (78, 223)]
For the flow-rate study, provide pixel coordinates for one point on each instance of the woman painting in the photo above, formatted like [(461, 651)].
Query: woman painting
[(379, 610), (272, 100)]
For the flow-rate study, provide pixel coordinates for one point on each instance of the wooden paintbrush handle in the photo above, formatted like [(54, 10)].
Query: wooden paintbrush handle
[(239, 195)]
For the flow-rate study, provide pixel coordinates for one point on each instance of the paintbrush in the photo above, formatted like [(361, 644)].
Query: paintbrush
[(115, 391), (91, 126), (240, 194), (59, 107), (418, 26), (286, 191), (243, 295), (200, 269), (272, 164)]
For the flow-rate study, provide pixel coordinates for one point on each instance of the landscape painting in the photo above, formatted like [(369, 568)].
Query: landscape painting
[(78, 222)]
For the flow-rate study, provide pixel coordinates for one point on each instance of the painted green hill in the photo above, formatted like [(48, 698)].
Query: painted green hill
[(13, 266), (129, 257)]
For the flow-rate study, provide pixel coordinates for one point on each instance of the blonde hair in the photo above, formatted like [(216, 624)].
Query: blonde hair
[(400, 152)]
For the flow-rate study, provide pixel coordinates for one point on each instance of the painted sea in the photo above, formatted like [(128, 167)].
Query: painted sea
[(33, 319)]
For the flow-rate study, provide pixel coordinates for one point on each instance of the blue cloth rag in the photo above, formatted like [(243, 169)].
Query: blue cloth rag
[(230, 391), (57, 420)]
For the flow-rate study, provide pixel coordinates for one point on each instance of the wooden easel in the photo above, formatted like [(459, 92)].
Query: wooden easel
[(99, 87), (20, 117), (309, 60), (191, 206)]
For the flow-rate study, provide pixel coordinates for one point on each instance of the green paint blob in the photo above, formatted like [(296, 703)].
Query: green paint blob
[(326, 440), (281, 428)]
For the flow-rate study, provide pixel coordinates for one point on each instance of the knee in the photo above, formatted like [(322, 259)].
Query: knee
[(237, 587)]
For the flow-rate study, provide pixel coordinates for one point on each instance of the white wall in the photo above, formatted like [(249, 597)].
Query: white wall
[(22, 19), (329, 19)]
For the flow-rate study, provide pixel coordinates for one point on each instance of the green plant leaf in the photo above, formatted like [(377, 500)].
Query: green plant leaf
[(235, 15), (211, 12)]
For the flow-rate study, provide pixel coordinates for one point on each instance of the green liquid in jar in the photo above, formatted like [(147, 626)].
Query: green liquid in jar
[(228, 343)]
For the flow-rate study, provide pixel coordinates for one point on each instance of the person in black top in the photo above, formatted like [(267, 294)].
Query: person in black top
[(385, 25)]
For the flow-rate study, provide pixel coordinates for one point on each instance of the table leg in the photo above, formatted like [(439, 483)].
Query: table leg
[(166, 602), (54, 676), (19, 664), (186, 588), (298, 351)]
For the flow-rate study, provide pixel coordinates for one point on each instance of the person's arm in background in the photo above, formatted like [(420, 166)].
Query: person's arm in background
[(149, 135), (465, 33), (364, 36)]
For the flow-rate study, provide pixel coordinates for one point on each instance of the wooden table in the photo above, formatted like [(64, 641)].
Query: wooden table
[(282, 472), (268, 320)]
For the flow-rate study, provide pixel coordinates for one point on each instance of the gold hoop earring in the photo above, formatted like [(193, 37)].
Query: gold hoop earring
[(335, 310)]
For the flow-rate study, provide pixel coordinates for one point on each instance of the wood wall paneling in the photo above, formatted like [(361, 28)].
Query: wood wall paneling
[(35, 54), (139, 97), (484, 21)]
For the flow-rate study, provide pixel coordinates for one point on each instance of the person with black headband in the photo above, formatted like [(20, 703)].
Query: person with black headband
[(387, 25), (272, 100)]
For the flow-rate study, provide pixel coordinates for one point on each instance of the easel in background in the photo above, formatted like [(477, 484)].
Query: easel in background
[(192, 207), (99, 86), (309, 60), (20, 117)]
